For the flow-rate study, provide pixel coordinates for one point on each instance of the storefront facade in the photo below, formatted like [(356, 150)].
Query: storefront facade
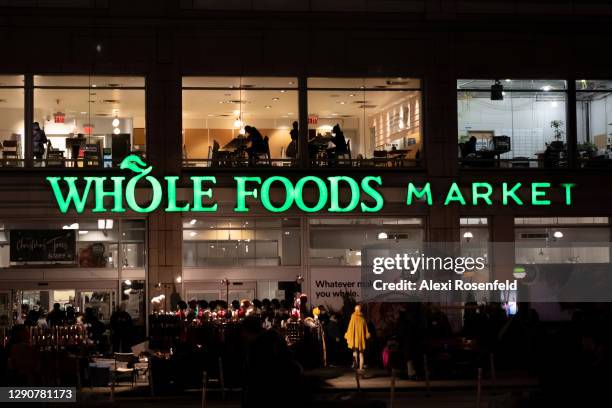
[(194, 78)]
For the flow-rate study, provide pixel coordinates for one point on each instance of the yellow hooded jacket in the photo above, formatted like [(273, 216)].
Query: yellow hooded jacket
[(357, 332)]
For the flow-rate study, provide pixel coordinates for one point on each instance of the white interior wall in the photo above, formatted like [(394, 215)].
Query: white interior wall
[(525, 120)]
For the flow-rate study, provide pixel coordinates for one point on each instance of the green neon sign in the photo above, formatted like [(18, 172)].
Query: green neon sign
[(277, 194)]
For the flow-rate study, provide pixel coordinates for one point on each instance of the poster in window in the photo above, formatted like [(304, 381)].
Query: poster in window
[(43, 246)]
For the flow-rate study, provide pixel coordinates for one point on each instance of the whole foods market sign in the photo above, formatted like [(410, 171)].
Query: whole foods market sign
[(364, 195)]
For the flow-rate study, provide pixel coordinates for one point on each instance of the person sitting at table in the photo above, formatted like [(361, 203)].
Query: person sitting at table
[(469, 147), (256, 141), (339, 142)]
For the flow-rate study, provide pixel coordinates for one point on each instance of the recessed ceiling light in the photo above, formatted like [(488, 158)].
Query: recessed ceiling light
[(351, 94), (291, 83), (282, 91), (275, 99), (342, 102), (268, 106)]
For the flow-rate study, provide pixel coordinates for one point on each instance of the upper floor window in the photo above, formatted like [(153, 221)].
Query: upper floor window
[(240, 121), (364, 121), (594, 120), (87, 121), (11, 121), (512, 123)]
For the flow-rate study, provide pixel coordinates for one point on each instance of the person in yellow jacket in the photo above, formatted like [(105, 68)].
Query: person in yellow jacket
[(356, 336)]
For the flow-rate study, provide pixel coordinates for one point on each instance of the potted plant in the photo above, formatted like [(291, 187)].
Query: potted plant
[(557, 127), (586, 149)]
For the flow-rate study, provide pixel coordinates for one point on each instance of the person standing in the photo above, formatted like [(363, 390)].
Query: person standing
[(121, 330), (39, 141), (356, 336)]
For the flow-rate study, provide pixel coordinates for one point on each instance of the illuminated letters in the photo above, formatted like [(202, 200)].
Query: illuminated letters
[(335, 194)]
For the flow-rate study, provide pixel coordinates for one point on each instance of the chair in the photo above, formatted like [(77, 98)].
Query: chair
[(380, 158), (10, 152), (129, 371), (214, 157), (347, 155)]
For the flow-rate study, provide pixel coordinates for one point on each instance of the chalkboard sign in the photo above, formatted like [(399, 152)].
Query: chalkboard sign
[(43, 246)]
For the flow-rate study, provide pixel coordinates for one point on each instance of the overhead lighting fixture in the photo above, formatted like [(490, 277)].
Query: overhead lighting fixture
[(268, 106), (83, 232), (275, 99), (193, 222), (508, 80), (558, 234), (546, 88), (468, 235), (115, 122), (193, 234), (179, 279), (497, 91), (127, 282), (105, 224), (116, 131), (382, 235), (73, 226), (282, 91)]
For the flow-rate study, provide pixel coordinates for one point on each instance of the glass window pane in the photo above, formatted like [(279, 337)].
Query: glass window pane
[(594, 122), (512, 123), (12, 148), (88, 121), (375, 121), (238, 121)]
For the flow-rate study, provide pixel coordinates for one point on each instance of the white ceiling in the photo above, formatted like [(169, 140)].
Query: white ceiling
[(274, 104)]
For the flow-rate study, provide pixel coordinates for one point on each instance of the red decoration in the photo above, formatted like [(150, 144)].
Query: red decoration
[(313, 119), (59, 117), (88, 128)]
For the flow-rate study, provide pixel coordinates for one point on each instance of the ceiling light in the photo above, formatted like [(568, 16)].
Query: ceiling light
[(546, 88), (497, 91), (351, 94), (179, 279), (342, 103), (282, 91), (127, 282), (382, 235), (115, 122), (83, 232), (73, 226), (558, 234), (116, 131), (193, 234), (275, 99), (268, 107), (508, 80), (192, 222), (468, 235), (105, 224)]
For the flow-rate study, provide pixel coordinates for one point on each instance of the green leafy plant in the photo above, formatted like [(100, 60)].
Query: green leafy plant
[(557, 126)]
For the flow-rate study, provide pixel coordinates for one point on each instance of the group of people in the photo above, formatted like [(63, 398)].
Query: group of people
[(258, 144)]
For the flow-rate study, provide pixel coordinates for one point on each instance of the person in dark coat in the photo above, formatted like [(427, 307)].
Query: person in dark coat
[(39, 141), (339, 142), (56, 316), (256, 143), (121, 330)]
